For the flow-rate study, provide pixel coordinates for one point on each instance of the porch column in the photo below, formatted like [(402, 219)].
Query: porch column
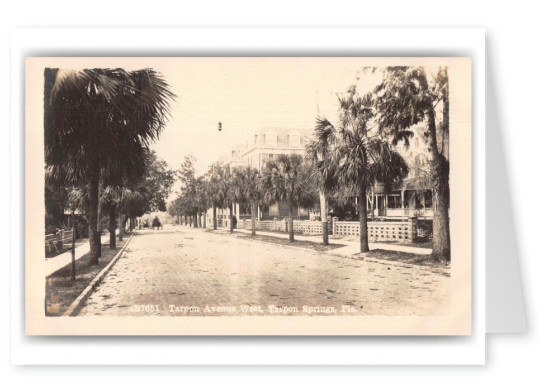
[(372, 204), (377, 204), (403, 202)]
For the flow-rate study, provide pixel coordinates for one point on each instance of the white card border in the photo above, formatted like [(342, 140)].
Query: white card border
[(245, 350)]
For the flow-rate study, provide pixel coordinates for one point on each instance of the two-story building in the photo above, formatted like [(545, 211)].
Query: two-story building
[(261, 146), (414, 196)]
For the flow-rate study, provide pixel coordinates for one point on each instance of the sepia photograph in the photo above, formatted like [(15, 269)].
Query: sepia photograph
[(248, 196)]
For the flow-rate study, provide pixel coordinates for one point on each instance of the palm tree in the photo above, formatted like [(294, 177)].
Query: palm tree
[(100, 118), (359, 156), (318, 151), (203, 198), (215, 193), (123, 202), (249, 190), (223, 189), (286, 179)]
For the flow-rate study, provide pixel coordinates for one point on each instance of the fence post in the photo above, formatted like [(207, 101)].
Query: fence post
[(275, 224), (412, 229), (286, 224), (334, 225)]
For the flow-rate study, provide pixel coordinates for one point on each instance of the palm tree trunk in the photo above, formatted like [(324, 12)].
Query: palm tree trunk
[(112, 227), (231, 218), (323, 211), (291, 228), (372, 200), (199, 215), (93, 218), (205, 219), (214, 224), (99, 218), (364, 244), (253, 219), (73, 260), (439, 170), (121, 227), (195, 220)]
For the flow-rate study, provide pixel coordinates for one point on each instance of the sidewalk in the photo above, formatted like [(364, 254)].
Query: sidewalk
[(56, 263), (349, 247)]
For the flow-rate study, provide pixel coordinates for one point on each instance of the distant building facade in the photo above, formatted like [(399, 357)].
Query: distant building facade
[(262, 146)]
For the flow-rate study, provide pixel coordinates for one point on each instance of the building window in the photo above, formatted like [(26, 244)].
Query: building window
[(418, 199), (428, 198), (295, 140), (394, 201), (407, 195)]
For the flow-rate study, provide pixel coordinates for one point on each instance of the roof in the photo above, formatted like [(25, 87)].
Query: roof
[(283, 140), (421, 182)]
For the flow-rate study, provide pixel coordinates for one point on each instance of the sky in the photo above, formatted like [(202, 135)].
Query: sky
[(246, 95)]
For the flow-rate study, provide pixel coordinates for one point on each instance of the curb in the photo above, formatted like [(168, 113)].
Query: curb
[(76, 305), (356, 257)]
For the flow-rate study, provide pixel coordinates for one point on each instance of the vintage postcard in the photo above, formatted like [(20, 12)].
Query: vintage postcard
[(248, 196)]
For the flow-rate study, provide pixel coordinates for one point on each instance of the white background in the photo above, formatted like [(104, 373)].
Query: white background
[(518, 51)]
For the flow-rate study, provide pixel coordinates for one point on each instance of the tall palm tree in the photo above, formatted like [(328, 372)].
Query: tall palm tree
[(287, 179), (203, 198), (359, 156), (216, 195), (249, 191), (223, 189), (98, 118), (318, 151)]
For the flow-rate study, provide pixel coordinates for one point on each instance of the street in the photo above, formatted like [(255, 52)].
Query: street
[(181, 271)]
